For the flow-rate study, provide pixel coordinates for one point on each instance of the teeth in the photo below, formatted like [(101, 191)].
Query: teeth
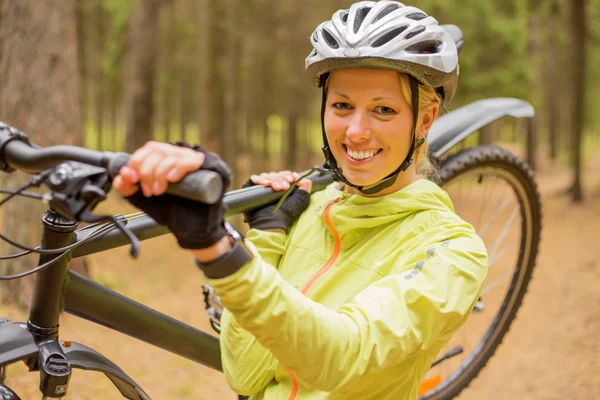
[(361, 155)]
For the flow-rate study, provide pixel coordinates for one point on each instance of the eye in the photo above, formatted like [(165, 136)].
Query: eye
[(383, 110), (342, 106)]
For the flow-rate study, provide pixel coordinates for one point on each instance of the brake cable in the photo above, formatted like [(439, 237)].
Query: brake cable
[(111, 222), (101, 230)]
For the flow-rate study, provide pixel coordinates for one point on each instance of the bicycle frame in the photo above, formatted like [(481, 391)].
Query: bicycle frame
[(58, 289)]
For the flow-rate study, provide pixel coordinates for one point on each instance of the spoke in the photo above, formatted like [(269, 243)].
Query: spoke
[(505, 231), (492, 285), (485, 202), (504, 251), (497, 212)]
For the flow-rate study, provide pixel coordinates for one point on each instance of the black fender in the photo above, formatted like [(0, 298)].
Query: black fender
[(83, 357), (17, 343), (453, 127)]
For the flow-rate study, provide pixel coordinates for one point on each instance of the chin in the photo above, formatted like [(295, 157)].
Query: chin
[(362, 179)]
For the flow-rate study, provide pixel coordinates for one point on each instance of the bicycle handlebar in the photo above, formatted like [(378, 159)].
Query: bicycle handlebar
[(204, 186)]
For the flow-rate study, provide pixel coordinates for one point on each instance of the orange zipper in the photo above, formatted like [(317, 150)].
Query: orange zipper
[(317, 275), (334, 256)]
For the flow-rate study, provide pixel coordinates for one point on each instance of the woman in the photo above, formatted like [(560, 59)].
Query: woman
[(351, 292)]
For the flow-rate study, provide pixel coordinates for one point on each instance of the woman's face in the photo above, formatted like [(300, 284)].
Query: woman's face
[(369, 124)]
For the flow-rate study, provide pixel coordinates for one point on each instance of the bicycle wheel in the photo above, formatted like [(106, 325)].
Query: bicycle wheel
[(496, 192)]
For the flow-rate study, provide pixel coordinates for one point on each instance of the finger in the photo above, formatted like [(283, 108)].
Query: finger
[(146, 171), (129, 175), (287, 175), (191, 162), (305, 184), (123, 187), (259, 180), (160, 174), (266, 178), (275, 178), (139, 156)]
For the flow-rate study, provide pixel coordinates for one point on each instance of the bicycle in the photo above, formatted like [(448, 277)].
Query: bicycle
[(80, 178)]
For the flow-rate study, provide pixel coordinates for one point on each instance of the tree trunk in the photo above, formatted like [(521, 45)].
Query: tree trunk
[(531, 145), (532, 123), (139, 90), (486, 134), (229, 77), (266, 158), (204, 69), (99, 81), (41, 89), (293, 142), (552, 100), (578, 57)]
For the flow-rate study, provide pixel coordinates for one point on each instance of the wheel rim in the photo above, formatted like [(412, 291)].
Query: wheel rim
[(495, 202)]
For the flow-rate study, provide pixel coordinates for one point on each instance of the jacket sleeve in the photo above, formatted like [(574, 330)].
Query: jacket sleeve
[(430, 294), (247, 365)]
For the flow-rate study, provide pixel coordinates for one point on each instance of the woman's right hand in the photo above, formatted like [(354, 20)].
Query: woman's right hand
[(267, 218)]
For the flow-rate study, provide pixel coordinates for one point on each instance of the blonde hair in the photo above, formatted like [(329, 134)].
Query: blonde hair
[(427, 95)]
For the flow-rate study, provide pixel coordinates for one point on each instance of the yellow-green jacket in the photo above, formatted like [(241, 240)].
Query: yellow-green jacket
[(355, 302)]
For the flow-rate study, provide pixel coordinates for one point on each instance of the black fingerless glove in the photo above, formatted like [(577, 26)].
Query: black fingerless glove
[(264, 218), (195, 225)]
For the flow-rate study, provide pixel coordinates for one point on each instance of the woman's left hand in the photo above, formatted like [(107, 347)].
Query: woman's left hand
[(152, 167), (282, 219)]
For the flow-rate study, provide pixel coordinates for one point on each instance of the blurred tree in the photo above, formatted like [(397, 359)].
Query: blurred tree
[(578, 65), (41, 89), (204, 39), (99, 16), (139, 91), (229, 70), (551, 97), (118, 13)]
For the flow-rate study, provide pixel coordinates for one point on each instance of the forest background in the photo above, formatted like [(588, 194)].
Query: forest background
[(229, 74)]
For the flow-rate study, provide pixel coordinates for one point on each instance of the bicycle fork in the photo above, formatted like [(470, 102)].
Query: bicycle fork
[(47, 305)]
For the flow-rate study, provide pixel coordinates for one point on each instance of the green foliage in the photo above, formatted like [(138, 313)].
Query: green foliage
[(119, 12)]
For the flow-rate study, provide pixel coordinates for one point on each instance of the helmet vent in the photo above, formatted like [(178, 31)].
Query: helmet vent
[(388, 36), (330, 39), (345, 17), (360, 17), (315, 37), (415, 32), (416, 16), (313, 53), (425, 47), (385, 11)]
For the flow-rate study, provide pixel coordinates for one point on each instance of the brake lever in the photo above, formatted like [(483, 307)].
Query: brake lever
[(76, 188)]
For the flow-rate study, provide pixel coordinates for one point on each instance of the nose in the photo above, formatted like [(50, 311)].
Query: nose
[(358, 127)]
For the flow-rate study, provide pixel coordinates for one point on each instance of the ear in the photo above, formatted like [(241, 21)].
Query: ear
[(427, 117)]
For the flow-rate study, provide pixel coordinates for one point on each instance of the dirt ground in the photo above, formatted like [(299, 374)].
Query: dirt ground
[(551, 352)]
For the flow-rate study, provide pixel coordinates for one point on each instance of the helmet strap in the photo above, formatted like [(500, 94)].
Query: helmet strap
[(331, 164)]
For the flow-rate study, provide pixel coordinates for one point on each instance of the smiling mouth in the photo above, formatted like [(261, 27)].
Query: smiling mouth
[(361, 155)]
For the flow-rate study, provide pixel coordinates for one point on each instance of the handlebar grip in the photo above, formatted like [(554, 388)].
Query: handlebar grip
[(202, 185)]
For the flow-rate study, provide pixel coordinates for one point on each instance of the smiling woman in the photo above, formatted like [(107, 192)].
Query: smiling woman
[(350, 292)]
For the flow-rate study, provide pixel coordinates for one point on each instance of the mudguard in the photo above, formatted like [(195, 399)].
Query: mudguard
[(455, 126), (17, 343), (83, 357)]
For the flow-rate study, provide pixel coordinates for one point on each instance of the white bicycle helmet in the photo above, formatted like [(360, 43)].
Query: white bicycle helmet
[(388, 35)]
